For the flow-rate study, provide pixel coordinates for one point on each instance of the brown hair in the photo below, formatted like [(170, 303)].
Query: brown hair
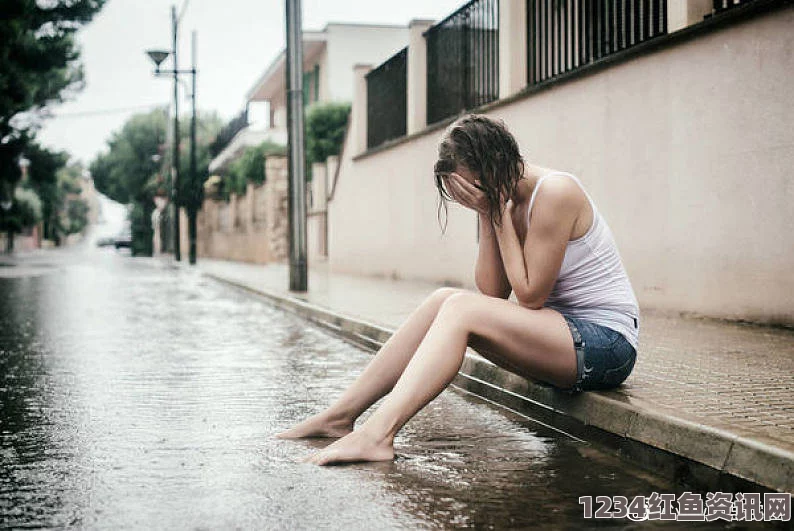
[(486, 147)]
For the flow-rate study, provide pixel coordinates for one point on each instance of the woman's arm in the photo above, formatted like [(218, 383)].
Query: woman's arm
[(489, 273), (533, 270)]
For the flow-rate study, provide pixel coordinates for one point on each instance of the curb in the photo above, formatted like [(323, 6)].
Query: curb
[(704, 457)]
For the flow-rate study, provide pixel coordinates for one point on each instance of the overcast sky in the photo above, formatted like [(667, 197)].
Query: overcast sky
[(237, 39)]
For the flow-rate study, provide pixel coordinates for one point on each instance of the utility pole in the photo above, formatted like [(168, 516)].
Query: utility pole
[(194, 194), (297, 182), (191, 197), (175, 165)]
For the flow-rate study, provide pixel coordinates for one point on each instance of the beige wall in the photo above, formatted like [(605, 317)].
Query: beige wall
[(382, 220), (316, 232), (688, 152)]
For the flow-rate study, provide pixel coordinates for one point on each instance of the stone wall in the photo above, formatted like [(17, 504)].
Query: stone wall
[(249, 228)]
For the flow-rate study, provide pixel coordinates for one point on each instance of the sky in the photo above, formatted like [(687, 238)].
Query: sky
[(236, 41)]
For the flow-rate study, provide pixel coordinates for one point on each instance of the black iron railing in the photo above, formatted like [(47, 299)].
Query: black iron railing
[(463, 60), (563, 35), (228, 132), (723, 5), (387, 100)]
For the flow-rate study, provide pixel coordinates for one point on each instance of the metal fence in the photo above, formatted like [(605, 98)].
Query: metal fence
[(723, 5), (563, 35), (463, 60), (387, 100), (228, 132)]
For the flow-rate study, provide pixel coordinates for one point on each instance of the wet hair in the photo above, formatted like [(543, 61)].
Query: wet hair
[(487, 149)]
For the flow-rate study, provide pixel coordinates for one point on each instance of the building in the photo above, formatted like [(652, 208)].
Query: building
[(676, 115), (328, 58), (252, 226)]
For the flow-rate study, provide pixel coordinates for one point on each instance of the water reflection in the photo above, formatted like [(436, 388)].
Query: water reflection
[(134, 394)]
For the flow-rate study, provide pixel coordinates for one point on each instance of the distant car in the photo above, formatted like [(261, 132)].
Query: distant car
[(124, 239), (106, 241)]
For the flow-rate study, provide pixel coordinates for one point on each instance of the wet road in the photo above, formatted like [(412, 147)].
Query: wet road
[(138, 395)]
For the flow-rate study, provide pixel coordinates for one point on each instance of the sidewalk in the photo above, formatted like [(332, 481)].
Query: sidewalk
[(704, 392)]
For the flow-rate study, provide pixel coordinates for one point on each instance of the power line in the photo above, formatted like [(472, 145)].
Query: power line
[(102, 112), (182, 11)]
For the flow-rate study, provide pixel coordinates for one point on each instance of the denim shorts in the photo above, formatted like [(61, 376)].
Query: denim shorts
[(604, 357)]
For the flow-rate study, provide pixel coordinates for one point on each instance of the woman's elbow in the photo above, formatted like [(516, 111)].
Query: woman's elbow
[(492, 291), (531, 300)]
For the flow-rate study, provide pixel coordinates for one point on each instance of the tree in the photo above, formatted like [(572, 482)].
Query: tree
[(131, 170), (191, 190), (45, 165), (73, 210), (38, 66), (208, 125), (25, 211), (127, 172), (76, 216)]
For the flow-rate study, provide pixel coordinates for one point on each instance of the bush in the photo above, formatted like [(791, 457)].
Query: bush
[(28, 207), (25, 211), (250, 167), (325, 131)]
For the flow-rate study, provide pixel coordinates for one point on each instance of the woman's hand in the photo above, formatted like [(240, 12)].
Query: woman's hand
[(507, 210), (466, 194)]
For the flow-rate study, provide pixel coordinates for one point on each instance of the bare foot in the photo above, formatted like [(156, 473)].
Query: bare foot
[(320, 425), (354, 447)]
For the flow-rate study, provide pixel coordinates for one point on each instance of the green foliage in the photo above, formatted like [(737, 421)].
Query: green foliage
[(25, 211), (131, 171), (28, 205), (106, 181), (43, 171), (38, 66), (127, 171), (191, 192), (250, 166), (69, 178), (69, 214), (51, 180), (76, 216), (325, 130), (124, 172)]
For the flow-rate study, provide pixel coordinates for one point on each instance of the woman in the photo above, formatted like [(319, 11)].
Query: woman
[(575, 324)]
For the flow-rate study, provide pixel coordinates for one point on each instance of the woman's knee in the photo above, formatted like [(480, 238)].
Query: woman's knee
[(462, 306), (442, 294)]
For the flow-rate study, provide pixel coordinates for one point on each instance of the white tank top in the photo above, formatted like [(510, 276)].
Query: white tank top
[(593, 284)]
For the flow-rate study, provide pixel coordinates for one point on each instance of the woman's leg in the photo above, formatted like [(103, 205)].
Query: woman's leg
[(378, 377), (536, 343)]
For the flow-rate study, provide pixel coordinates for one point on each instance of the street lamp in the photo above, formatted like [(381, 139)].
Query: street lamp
[(157, 57)]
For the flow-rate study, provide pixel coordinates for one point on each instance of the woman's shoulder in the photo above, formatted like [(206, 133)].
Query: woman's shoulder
[(560, 186)]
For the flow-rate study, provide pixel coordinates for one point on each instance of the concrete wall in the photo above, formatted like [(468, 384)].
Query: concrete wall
[(687, 151), (316, 223), (382, 220), (248, 228), (28, 240)]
